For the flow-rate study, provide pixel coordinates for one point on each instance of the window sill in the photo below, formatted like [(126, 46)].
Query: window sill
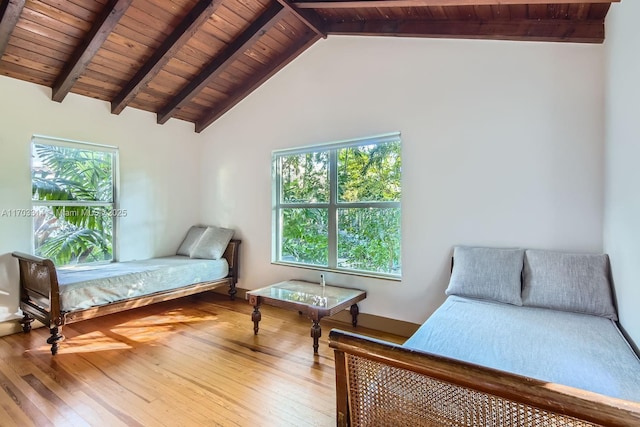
[(390, 277)]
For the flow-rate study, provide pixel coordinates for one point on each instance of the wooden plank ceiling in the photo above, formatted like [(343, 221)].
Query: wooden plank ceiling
[(194, 60)]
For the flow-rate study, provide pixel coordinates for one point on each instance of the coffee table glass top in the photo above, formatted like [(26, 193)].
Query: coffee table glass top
[(312, 294)]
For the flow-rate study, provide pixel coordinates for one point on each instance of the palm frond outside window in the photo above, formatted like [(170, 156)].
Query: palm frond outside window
[(74, 200)]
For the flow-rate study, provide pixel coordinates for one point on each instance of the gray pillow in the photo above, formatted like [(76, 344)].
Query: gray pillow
[(212, 243), (569, 282), (487, 273), (190, 240)]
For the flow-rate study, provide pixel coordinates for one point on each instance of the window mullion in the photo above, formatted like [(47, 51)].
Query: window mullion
[(303, 205), (115, 205), (333, 211), (374, 205), (72, 203), (276, 192)]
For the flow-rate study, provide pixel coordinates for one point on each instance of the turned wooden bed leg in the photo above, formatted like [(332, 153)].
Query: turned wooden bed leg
[(232, 291), (55, 338), (26, 323)]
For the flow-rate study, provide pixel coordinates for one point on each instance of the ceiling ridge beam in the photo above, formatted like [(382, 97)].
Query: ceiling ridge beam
[(521, 30), (308, 17), (367, 4), (85, 52), (9, 15), (266, 21), (200, 13), (256, 81)]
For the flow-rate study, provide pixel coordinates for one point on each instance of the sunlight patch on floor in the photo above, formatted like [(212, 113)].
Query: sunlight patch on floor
[(167, 318), (143, 330), (144, 334)]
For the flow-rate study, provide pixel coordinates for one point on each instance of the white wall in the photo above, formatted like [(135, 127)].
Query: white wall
[(502, 145), (622, 203), (159, 172)]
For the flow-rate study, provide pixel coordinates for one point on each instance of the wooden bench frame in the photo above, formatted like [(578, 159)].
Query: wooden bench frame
[(40, 294), (364, 367)]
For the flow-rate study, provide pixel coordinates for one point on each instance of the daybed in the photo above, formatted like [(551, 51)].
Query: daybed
[(207, 259), (525, 338)]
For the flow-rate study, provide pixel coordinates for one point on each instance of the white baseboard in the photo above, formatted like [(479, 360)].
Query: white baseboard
[(13, 326), (9, 327)]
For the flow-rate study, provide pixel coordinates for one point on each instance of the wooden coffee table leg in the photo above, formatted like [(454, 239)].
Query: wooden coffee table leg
[(316, 333), (354, 314), (256, 316)]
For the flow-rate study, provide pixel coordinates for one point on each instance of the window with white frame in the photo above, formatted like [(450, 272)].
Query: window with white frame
[(337, 206), (73, 189)]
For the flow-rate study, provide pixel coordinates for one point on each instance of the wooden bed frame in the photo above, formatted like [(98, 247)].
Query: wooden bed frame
[(380, 383), (40, 294)]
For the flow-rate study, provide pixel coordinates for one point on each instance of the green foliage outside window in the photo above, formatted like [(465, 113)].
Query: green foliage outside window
[(305, 178), (72, 193), (370, 173), (305, 239), (369, 240)]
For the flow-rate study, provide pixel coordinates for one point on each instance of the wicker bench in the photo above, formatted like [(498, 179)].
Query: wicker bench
[(40, 294), (380, 383), (525, 338)]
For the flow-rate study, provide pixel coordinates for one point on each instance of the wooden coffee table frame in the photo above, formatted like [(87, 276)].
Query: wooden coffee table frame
[(313, 312)]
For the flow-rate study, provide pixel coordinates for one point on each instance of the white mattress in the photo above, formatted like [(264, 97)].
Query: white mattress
[(578, 350), (85, 286)]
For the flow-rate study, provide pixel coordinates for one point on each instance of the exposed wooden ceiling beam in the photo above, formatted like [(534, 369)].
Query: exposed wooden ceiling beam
[(365, 4), (258, 79), (82, 56), (268, 19), (178, 38), (523, 30), (9, 15), (307, 17)]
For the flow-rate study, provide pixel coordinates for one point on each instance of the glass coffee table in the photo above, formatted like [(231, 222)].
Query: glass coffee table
[(311, 299)]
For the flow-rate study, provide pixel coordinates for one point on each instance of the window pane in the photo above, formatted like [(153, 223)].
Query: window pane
[(73, 234), (64, 173), (305, 178), (369, 173), (369, 239), (305, 236)]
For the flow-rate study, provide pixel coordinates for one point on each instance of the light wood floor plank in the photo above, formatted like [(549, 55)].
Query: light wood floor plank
[(39, 413), (11, 411), (193, 361)]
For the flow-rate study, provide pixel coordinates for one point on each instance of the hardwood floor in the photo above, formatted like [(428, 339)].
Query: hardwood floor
[(187, 362)]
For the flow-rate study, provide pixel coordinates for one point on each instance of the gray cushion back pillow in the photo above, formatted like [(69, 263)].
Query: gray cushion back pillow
[(190, 240), (570, 282), (212, 243), (487, 273)]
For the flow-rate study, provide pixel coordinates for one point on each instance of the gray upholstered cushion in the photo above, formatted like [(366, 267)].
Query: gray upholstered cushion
[(555, 346), (190, 240), (487, 273), (212, 243), (571, 282)]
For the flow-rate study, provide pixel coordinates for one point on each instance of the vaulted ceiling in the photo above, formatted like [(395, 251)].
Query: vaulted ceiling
[(194, 60)]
